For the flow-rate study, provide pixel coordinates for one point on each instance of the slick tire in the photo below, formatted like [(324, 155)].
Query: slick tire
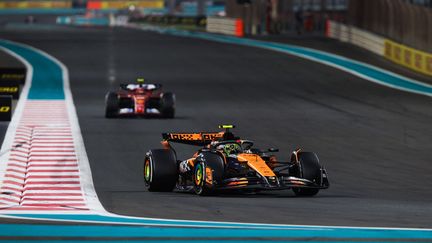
[(160, 170), (217, 166), (111, 105), (310, 169), (167, 105)]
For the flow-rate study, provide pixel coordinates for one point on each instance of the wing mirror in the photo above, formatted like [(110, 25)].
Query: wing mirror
[(273, 150)]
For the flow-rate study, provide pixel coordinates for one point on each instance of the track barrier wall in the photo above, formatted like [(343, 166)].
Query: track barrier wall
[(96, 4), (355, 36), (411, 58), (402, 21), (35, 4), (91, 4), (227, 26)]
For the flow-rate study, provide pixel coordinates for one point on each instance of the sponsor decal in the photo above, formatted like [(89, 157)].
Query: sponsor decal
[(429, 64), (209, 176), (5, 107), (12, 76), (211, 136), (409, 57), (10, 90), (194, 136), (418, 60), (235, 183), (397, 53), (387, 49)]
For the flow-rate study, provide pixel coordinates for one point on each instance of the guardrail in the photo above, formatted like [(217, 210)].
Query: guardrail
[(227, 26), (355, 36), (404, 55)]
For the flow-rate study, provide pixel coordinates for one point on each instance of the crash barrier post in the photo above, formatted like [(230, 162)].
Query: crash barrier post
[(409, 57), (227, 26), (5, 107)]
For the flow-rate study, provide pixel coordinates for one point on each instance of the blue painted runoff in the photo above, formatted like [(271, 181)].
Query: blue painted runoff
[(47, 80), (173, 228), (142, 221), (216, 240), (32, 230)]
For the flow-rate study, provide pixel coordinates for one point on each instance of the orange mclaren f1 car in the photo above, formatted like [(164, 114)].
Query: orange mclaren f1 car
[(226, 162)]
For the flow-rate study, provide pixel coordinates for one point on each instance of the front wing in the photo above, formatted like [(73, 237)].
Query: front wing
[(277, 183)]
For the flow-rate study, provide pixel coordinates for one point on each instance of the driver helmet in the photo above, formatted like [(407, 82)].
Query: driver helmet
[(230, 148)]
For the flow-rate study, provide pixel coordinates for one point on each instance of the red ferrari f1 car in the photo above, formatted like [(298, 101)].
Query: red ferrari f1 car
[(226, 162), (140, 99)]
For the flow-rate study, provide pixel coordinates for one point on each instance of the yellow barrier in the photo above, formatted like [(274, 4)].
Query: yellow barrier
[(126, 4), (68, 4), (36, 4), (409, 57)]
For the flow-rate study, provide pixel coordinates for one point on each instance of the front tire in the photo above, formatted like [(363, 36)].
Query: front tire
[(310, 169), (216, 165), (199, 179), (111, 105), (160, 170)]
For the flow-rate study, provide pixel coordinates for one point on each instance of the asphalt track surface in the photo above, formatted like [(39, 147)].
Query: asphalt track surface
[(374, 141)]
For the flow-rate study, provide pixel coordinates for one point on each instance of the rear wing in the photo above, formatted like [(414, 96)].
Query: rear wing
[(145, 86), (198, 139)]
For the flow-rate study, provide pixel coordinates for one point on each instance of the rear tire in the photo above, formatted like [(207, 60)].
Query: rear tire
[(111, 105), (167, 105), (310, 169), (160, 170)]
